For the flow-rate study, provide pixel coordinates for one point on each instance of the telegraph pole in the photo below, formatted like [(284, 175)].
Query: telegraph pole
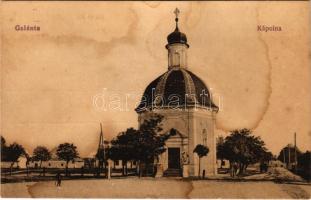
[(101, 148), (102, 140), (295, 152), (289, 161), (284, 161)]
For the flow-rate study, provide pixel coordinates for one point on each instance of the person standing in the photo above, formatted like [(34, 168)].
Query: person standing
[(58, 179)]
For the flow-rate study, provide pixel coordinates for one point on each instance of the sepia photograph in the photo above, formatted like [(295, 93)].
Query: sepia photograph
[(156, 99)]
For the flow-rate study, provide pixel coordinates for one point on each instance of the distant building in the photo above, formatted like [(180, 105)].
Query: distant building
[(54, 162), (21, 163), (89, 163), (76, 163), (117, 164), (7, 165)]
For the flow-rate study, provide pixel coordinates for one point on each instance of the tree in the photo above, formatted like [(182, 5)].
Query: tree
[(67, 152), (28, 159), (201, 151), (3, 142), (266, 156), (243, 148), (143, 145), (3, 149), (123, 147), (150, 143), (102, 156), (287, 154), (220, 149), (41, 153), (13, 153), (304, 165)]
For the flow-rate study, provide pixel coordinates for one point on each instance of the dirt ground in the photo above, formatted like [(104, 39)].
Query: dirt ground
[(156, 188)]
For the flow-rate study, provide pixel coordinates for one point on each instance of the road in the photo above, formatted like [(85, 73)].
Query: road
[(156, 188)]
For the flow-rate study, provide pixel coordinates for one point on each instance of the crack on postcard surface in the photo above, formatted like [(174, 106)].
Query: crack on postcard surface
[(269, 79), (29, 189), (191, 188)]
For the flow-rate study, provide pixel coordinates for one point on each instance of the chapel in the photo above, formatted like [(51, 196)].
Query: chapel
[(186, 104)]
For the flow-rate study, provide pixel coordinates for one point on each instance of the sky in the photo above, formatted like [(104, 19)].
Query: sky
[(58, 84)]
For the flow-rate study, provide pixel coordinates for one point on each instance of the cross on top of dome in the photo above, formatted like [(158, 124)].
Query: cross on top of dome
[(176, 11), (177, 36)]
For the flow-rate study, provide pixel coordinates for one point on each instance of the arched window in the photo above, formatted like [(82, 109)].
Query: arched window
[(204, 137), (176, 58)]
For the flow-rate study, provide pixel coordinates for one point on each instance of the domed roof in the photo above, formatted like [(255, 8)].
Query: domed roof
[(177, 87), (177, 37)]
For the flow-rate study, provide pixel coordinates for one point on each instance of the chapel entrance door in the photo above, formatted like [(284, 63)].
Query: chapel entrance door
[(174, 158)]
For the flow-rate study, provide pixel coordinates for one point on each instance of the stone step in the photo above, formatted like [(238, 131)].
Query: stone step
[(172, 173)]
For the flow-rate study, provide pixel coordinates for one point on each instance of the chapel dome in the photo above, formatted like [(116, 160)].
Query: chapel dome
[(176, 84), (177, 37)]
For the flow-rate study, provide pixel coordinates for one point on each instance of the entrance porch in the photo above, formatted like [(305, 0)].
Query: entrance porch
[(171, 162)]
